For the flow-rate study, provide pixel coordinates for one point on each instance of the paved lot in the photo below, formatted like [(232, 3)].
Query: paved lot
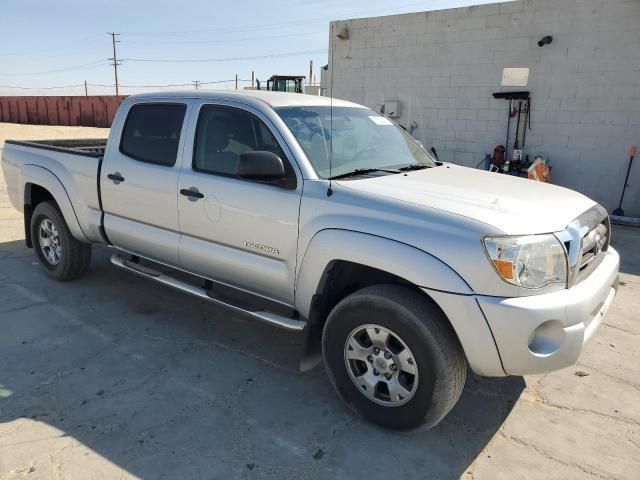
[(111, 376)]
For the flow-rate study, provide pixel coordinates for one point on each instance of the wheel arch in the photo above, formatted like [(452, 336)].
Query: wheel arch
[(339, 262), (39, 185)]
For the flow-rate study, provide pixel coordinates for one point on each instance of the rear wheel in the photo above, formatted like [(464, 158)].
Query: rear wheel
[(61, 256), (393, 358)]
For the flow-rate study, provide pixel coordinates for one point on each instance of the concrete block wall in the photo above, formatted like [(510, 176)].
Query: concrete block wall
[(443, 66)]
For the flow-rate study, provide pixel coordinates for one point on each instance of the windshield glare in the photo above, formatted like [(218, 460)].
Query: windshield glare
[(357, 138)]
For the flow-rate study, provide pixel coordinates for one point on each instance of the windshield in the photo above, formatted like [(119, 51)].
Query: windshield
[(362, 139)]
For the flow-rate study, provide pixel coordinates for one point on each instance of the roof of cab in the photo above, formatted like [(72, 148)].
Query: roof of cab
[(273, 99)]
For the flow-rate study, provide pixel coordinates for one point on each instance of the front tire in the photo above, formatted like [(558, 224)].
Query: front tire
[(61, 256), (392, 357)]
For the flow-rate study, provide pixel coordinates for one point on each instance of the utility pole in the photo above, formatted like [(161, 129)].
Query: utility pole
[(311, 72), (236, 81), (196, 83), (253, 79), (115, 58), (86, 93)]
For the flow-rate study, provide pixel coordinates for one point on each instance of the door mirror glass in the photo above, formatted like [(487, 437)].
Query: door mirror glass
[(261, 166)]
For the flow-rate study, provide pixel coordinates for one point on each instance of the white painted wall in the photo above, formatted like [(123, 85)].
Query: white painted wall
[(444, 65)]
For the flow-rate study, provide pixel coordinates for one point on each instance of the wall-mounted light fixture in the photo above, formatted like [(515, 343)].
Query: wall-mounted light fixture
[(545, 41)]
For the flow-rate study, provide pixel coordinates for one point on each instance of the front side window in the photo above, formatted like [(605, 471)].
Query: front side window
[(354, 138), (152, 133), (224, 133)]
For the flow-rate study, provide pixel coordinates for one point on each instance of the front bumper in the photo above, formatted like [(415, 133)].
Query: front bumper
[(541, 333)]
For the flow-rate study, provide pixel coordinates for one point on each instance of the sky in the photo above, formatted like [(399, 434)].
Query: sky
[(63, 43)]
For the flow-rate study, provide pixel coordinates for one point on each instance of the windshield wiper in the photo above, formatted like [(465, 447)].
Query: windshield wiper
[(362, 171), (413, 166)]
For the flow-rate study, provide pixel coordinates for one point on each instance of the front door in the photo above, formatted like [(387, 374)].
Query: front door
[(139, 181), (236, 231)]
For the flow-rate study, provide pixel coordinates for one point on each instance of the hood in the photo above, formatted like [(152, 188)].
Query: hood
[(511, 204)]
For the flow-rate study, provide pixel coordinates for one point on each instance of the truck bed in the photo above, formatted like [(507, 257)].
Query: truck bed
[(93, 147), (68, 169)]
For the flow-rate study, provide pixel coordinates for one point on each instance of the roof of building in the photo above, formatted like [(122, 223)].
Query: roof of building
[(274, 99)]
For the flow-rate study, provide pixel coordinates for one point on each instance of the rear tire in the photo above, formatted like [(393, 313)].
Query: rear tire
[(393, 358), (61, 256)]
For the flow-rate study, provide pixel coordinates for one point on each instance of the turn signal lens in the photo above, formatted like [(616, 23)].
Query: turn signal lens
[(505, 268)]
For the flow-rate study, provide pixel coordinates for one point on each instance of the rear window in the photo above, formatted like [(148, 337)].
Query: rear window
[(152, 133)]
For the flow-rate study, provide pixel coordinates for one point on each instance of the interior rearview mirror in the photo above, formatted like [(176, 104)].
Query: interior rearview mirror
[(261, 166)]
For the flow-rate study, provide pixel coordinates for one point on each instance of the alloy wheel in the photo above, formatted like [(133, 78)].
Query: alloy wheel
[(49, 241), (381, 365)]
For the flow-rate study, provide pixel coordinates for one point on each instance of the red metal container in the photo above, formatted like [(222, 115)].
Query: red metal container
[(93, 111)]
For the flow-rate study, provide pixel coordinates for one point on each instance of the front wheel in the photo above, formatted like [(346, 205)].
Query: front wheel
[(62, 256), (393, 358)]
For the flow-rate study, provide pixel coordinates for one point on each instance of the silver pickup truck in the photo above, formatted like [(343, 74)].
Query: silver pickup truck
[(325, 217)]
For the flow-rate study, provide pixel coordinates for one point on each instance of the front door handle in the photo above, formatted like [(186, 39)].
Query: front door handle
[(116, 177), (192, 193)]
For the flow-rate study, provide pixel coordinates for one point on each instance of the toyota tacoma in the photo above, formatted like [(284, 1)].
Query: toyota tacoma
[(323, 217)]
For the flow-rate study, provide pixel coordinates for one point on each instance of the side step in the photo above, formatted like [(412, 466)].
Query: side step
[(271, 318)]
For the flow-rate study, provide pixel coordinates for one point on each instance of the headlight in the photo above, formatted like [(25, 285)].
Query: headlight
[(531, 261)]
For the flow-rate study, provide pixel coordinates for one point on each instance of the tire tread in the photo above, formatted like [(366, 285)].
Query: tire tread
[(78, 254)]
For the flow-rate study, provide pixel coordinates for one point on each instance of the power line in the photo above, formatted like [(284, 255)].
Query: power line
[(228, 29), (62, 52), (227, 59), (224, 81), (73, 68), (80, 43), (40, 88), (115, 62), (168, 85), (191, 84), (141, 86), (224, 40)]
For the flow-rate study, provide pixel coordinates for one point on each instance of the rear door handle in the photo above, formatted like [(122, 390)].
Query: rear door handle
[(116, 177), (192, 193)]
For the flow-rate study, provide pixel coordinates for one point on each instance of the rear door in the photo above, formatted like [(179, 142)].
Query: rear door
[(139, 180), (240, 232)]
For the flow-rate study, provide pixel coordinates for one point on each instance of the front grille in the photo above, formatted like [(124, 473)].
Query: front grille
[(586, 239), (593, 244)]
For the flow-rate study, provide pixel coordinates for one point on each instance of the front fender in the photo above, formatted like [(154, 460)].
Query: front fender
[(405, 261), (438, 280), (37, 175)]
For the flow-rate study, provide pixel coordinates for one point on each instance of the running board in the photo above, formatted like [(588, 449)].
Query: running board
[(264, 316)]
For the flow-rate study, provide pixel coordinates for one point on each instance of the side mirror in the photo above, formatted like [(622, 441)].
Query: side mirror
[(261, 166)]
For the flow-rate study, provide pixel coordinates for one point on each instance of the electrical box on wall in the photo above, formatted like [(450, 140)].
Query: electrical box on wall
[(391, 109), (515, 77)]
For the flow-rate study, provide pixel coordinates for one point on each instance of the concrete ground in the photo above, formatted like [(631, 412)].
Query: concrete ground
[(113, 376)]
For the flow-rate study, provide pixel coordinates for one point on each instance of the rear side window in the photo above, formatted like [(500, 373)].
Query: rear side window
[(152, 133)]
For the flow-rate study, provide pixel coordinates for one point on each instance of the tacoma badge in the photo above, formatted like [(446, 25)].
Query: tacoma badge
[(263, 248)]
